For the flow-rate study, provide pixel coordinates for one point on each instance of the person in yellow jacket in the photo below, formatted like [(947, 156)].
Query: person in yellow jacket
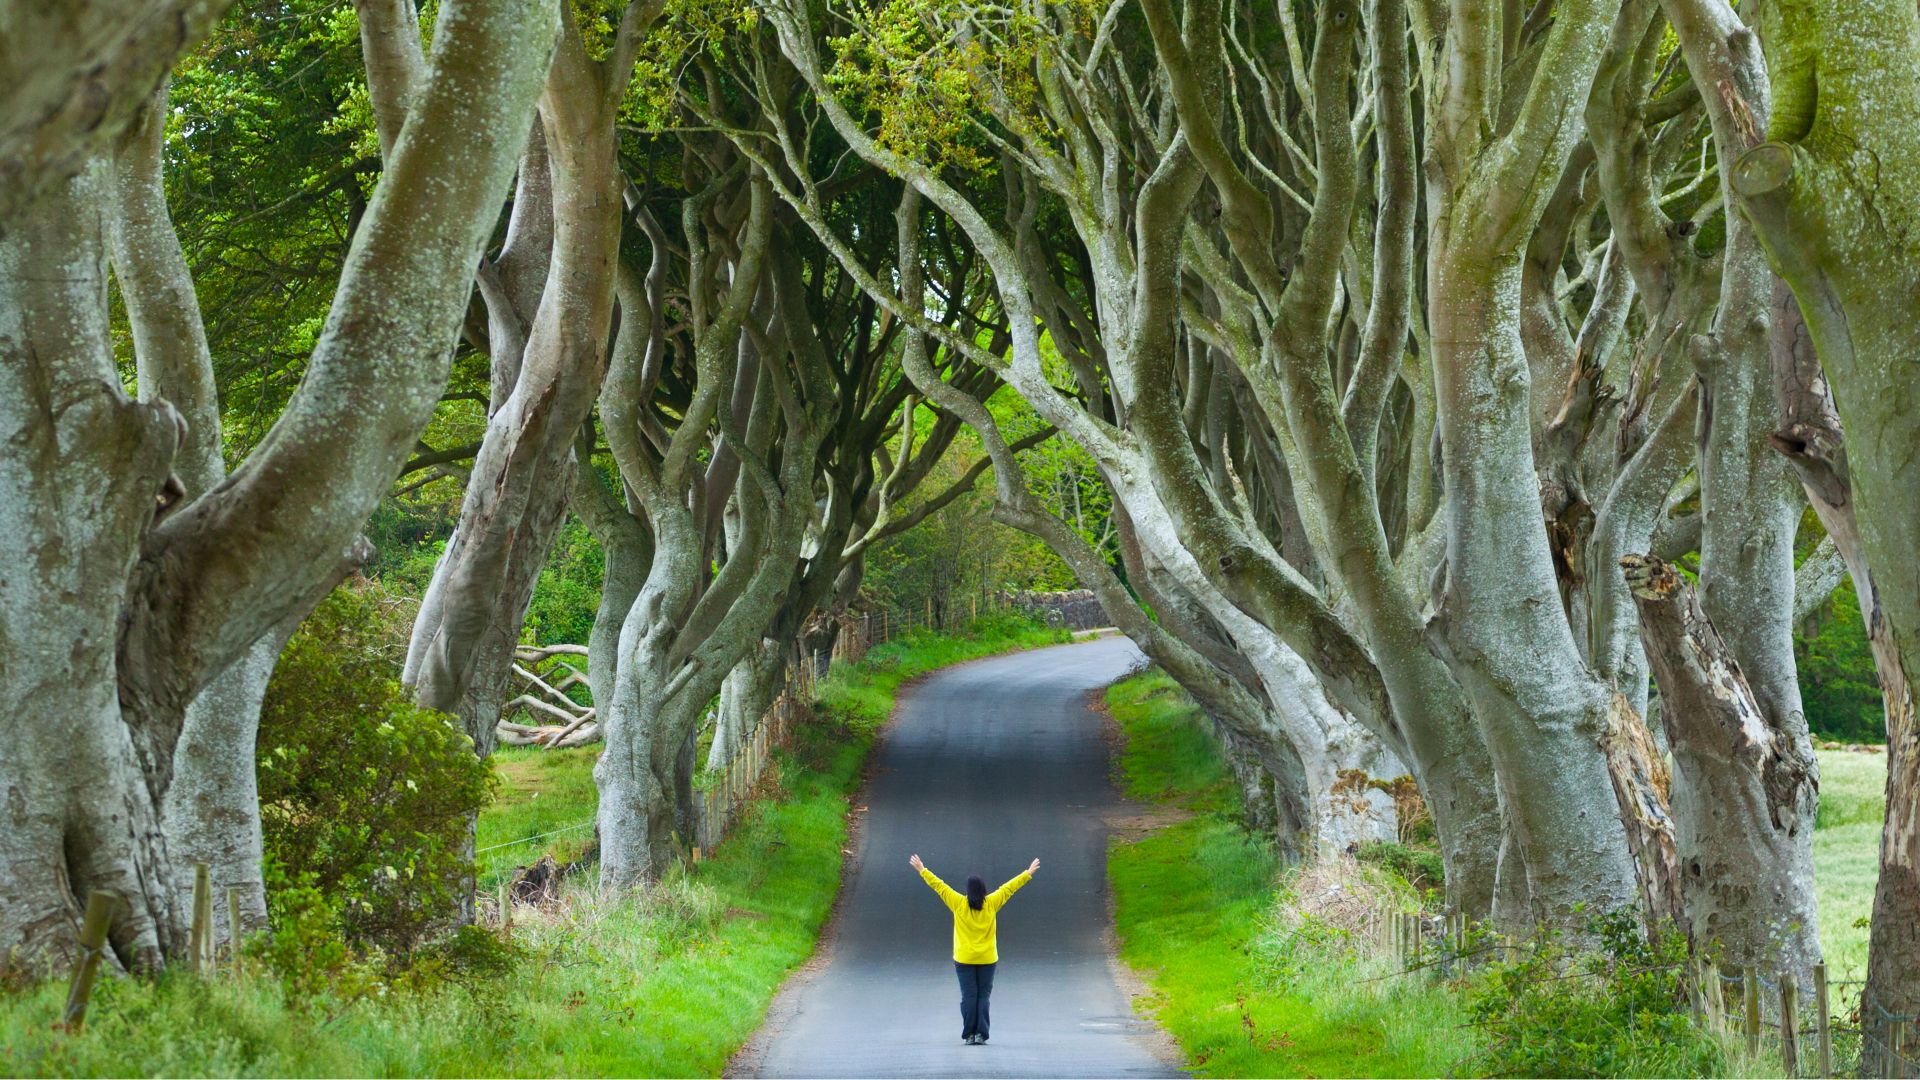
[(976, 951)]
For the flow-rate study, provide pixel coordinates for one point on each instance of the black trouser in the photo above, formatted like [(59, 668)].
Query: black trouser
[(976, 986)]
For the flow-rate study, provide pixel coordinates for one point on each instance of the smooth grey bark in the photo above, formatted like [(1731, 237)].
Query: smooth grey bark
[(1745, 786), (547, 364), (685, 632), (211, 812), (1832, 195), (1540, 708), (79, 485)]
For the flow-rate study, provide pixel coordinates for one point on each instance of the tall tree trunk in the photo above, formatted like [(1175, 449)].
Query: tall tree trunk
[(1745, 789), (138, 641), (1541, 710), (1834, 194), (84, 471), (211, 813), (524, 473)]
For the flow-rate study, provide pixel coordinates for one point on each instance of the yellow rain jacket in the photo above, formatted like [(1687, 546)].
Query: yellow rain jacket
[(973, 936)]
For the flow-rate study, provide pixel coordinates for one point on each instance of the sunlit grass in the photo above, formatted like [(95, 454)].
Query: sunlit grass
[(1195, 904), (542, 792), (1846, 855)]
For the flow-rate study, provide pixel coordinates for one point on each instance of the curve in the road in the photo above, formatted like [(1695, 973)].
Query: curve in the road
[(988, 765)]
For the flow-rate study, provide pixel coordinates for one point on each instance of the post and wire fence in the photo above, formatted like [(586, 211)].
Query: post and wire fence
[(1823, 1027)]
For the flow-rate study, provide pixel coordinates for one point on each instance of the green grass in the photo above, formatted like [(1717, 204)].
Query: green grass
[(668, 982), (1846, 855), (1248, 988), (1200, 910), (545, 805)]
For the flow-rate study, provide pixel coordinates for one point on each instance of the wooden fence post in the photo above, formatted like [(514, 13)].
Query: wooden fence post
[(1716, 999), (233, 928), (1750, 989), (93, 940), (1789, 1040), (1822, 1019), (506, 902), (202, 925)]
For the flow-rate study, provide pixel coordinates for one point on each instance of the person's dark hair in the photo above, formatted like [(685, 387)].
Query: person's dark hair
[(976, 892)]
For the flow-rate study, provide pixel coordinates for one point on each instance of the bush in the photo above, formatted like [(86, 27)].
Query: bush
[(365, 800), (1423, 868), (1619, 1009)]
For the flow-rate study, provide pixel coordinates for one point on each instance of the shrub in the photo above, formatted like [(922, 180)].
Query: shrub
[(1618, 1008), (365, 799), (1423, 868)]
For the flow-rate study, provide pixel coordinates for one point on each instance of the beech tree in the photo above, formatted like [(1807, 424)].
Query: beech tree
[(1831, 191), (141, 597)]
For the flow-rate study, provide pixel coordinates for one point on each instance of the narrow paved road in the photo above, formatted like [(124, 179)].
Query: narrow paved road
[(989, 765)]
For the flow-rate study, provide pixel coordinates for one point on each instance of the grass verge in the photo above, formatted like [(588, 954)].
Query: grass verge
[(664, 983), (1254, 974), (1202, 911)]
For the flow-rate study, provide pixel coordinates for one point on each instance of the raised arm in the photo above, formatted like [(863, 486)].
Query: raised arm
[(1001, 895), (952, 899)]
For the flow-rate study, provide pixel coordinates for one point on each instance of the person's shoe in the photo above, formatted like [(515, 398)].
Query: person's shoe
[(974, 1040), (979, 1040)]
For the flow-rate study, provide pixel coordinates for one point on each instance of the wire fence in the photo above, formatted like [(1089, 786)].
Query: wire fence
[(1817, 1028)]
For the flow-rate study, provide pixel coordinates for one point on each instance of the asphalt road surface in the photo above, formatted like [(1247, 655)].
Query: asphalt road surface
[(989, 765)]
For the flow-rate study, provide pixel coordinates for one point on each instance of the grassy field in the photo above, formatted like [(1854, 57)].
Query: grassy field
[(1846, 854), (1201, 912), (667, 983)]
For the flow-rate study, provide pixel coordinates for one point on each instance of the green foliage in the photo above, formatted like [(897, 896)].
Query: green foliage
[(1837, 681), (568, 593), (365, 799), (1617, 1009), (686, 31), (269, 158), (931, 70), (960, 552), (1420, 867)]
